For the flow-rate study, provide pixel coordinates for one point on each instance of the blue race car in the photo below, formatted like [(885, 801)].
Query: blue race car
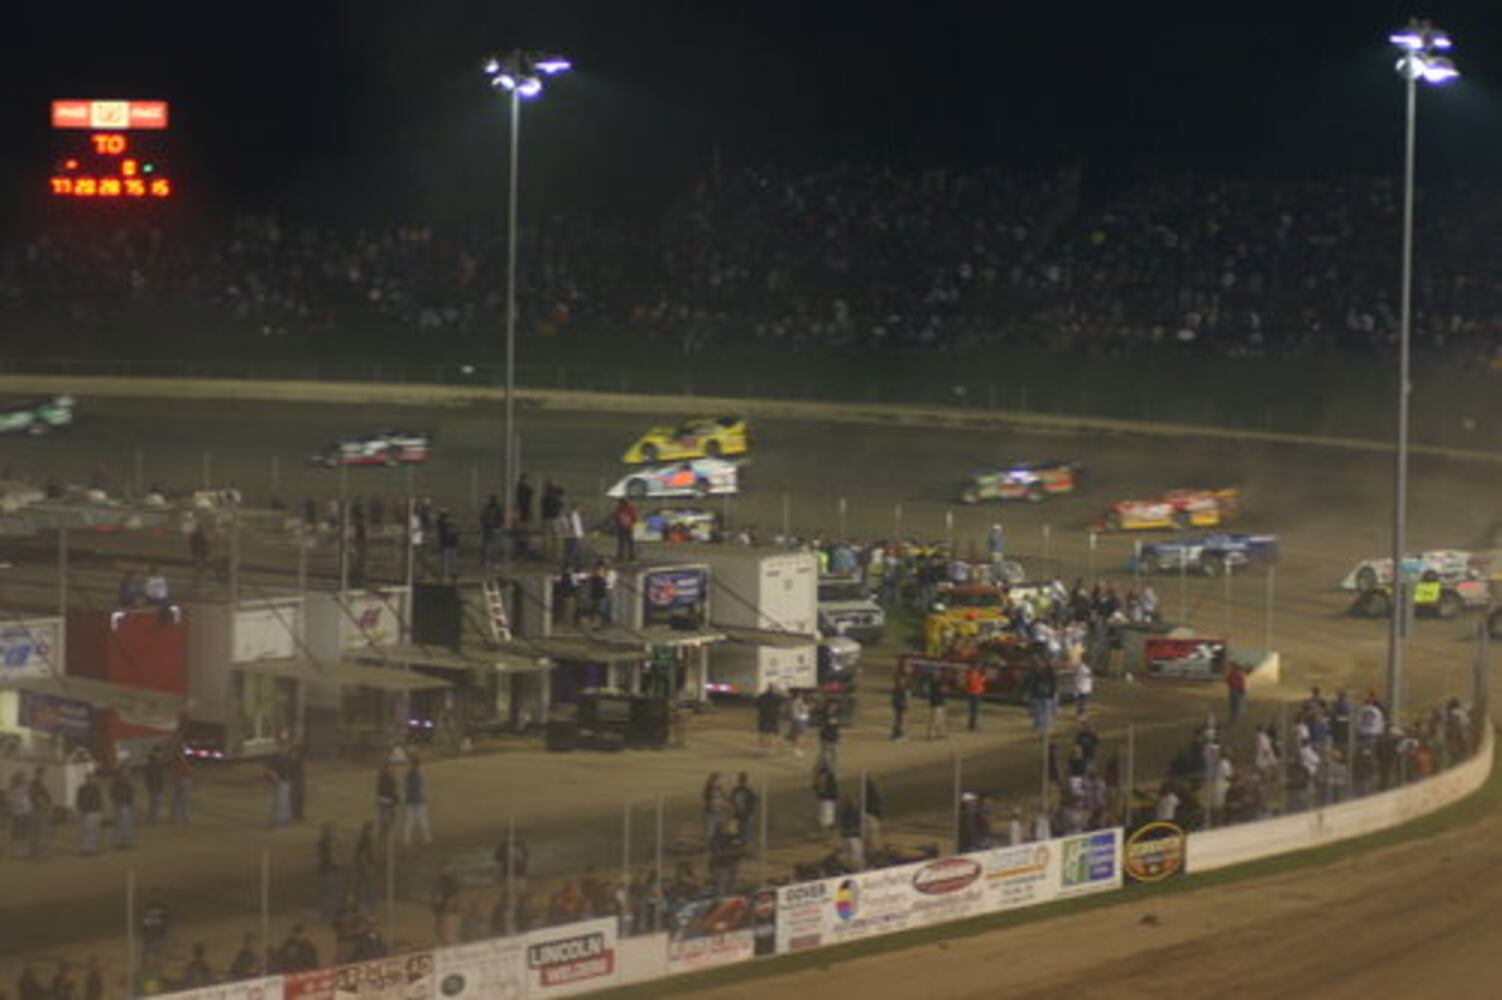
[(1210, 554)]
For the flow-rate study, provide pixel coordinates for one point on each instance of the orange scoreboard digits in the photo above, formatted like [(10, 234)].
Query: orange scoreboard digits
[(110, 151)]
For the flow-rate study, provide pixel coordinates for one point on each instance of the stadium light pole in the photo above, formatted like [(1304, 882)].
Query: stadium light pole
[(1420, 43), (520, 75)]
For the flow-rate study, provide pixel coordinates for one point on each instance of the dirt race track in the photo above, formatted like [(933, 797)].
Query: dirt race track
[(1412, 921), (1408, 921)]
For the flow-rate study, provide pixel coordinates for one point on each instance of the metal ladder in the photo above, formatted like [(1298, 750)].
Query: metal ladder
[(495, 611)]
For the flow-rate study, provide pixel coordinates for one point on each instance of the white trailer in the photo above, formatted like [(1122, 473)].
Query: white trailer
[(745, 668), (771, 590)]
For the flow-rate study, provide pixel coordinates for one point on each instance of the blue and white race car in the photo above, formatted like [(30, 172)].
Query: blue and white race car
[(700, 477), (1443, 565), (1209, 555)]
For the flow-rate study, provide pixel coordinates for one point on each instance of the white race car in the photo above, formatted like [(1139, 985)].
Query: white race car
[(700, 477), (1444, 565), (380, 448)]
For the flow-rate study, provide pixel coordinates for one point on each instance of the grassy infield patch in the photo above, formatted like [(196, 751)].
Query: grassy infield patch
[(1473, 807)]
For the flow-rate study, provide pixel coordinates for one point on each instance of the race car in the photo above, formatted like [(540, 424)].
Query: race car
[(699, 478), (1030, 481), (699, 437), (1437, 598), (677, 524), (1174, 509), (37, 417), (1447, 565), (388, 448), (1208, 554)]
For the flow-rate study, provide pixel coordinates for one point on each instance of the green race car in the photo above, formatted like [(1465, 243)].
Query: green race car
[(37, 417)]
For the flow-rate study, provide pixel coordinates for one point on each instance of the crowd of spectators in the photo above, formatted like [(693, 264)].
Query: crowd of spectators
[(859, 257)]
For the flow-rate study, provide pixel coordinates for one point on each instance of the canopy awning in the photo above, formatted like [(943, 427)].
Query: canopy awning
[(137, 705), (343, 673), (508, 660)]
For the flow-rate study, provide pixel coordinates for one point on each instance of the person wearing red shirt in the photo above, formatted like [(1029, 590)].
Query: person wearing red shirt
[(975, 686), (624, 520), (1236, 688)]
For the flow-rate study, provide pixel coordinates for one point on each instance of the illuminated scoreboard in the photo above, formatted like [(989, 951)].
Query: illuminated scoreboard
[(110, 150)]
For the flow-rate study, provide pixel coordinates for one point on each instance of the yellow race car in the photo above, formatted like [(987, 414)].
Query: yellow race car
[(698, 437)]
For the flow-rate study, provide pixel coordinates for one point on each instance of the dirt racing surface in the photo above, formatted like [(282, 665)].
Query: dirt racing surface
[(1312, 933), (1412, 921)]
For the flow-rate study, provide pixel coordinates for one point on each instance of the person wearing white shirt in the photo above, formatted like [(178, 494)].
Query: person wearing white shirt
[(156, 586), (1084, 687), (1167, 806)]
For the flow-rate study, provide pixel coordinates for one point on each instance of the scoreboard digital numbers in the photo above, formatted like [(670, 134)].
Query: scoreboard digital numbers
[(110, 150)]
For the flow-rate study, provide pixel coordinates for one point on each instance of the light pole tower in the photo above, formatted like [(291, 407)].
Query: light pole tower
[(520, 75), (1420, 42)]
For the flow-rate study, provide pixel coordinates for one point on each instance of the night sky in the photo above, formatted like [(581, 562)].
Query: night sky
[(378, 110)]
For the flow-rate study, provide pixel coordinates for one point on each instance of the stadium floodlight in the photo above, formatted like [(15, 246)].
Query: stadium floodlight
[(519, 74), (1436, 69), (1419, 40)]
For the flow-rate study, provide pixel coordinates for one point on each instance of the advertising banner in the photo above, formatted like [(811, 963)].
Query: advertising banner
[(267, 631), (947, 889), (846, 908), (1154, 852), (1020, 876), (30, 649), (1090, 862), (706, 933), (316, 985), (1196, 658), (486, 970), (269, 988), (674, 595), (51, 714), (404, 977), (576, 958), (370, 619)]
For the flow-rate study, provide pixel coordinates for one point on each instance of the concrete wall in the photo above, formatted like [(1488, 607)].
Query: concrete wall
[(1249, 841)]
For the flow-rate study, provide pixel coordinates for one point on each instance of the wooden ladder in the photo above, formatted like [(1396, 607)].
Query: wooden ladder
[(495, 611)]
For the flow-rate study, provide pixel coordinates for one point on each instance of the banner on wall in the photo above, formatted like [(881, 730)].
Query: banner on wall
[(317, 985), (403, 977), (1154, 852), (1025, 875), (572, 959), (1090, 862), (835, 910), (269, 988), (486, 970), (1184, 658), (711, 932)]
